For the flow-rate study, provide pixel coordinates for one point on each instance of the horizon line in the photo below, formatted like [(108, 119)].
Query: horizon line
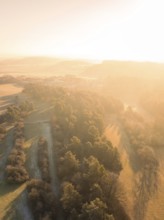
[(14, 56)]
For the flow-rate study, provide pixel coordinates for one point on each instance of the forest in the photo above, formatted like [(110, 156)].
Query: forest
[(71, 167), (86, 160), (81, 110)]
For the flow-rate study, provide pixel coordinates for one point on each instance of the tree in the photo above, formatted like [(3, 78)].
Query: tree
[(41, 199), (93, 133), (96, 192), (68, 164), (75, 146), (95, 210), (92, 170), (71, 198)]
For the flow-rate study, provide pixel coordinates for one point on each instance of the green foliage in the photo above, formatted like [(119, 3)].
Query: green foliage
[(68, 164), (15, 169), (92, 170), (43, 159), (94, 210), (16, 112), (71, 198), (143, 159), (107, 155), (41, 199), (16, 174), (88, 164)]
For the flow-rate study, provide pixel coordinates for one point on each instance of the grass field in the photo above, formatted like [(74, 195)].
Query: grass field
[(8, 196), (155, 209), (114, 134), (156, 205), (9, 89), (7, 95), (8, 193)]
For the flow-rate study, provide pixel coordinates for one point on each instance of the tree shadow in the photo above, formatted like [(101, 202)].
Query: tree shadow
[(8, 98), (131, 154), (6, 188)]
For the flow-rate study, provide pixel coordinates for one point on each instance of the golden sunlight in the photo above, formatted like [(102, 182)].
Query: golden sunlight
[(124, 30)]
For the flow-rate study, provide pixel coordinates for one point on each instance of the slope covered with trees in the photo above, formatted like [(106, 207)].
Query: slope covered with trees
[(88, 165), (143, 160)]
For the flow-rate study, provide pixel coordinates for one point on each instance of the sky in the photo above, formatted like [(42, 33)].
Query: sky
[(88, 29)]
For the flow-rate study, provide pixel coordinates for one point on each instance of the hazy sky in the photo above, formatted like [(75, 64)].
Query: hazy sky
[(95, 29)]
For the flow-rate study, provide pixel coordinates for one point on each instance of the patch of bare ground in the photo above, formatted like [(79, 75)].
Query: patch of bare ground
[(9, 195), (9, 89), (115, 134), (8, 94)]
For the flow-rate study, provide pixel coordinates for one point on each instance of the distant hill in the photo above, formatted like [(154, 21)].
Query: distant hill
[(127, 80), (122, 68), (42, 66), (56, 66)]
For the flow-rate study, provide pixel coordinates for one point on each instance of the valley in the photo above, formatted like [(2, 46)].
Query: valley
[(88, 138)]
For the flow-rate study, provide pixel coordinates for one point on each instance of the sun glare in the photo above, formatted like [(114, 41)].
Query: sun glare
[(131, 31)]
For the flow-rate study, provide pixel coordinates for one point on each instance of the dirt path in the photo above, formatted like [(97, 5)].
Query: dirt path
[(46, 132), (33, 132), (23, 207)]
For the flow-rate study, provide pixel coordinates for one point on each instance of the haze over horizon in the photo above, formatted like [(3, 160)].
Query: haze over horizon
[(95, 30)]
